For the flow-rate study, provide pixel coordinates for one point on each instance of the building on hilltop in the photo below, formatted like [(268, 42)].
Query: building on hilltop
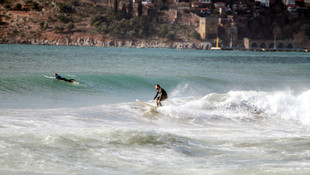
[(265, 3), (205, 1), (145, 2), (287, 2), (219, 4), (195, 4)]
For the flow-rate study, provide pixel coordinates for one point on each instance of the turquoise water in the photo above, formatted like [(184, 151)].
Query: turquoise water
[(227, 112)]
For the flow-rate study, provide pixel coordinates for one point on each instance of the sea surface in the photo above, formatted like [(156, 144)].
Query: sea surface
[(228, 112)]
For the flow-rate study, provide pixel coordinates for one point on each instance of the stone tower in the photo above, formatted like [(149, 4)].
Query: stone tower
[(208, 27)]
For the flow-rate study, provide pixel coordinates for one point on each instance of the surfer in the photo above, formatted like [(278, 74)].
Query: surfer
[(161, 93), (58, 77)]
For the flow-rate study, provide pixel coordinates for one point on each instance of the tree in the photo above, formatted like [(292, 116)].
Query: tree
[(42, 23), (170, 36), (70, 26), (129, 7), (195, 35), (18, 6), (59, 29), (34, 6), (140, 8), (115, 8), (63, 8), (124, 11), (63, 18)]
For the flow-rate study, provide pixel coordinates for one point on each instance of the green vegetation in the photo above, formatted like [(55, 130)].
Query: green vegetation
[(18, 6), (7, 5), (42, 24), (129, 8), (115, 7), (195, 35), (140, 8), (70, 26), (34, 6), (64, 8), (124, 28), (59, 29), (63, 18), (164, 32)]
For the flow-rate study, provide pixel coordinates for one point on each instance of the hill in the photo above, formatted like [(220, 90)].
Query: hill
[(95, 23)]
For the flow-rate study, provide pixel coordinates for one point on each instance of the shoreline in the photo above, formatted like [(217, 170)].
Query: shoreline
[(268, 50), (90, 42)]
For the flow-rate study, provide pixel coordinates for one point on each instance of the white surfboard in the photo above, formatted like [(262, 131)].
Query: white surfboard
[(145, 104), (48, 77), (54, 78)]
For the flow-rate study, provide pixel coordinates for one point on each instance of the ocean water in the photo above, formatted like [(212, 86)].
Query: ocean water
[(228, 112)]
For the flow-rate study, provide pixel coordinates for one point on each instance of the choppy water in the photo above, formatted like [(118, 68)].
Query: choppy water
[(228, 112)]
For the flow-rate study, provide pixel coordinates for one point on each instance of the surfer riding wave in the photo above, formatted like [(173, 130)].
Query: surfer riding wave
[(161, 95)]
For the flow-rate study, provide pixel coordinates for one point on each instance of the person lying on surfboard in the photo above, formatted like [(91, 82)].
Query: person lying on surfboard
[(162, 95), (58, 77)]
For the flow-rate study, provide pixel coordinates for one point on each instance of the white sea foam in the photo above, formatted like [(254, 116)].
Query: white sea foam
[(243, 105), (195, 135)]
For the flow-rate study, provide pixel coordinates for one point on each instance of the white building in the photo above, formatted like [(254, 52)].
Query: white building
[(205, 1), (144, 2), (287, 2), (264, 2)]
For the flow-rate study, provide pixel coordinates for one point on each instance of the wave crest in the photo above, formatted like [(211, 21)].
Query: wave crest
[(238, 105)]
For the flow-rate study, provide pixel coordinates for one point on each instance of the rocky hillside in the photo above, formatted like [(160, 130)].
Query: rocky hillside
[(96, 23)]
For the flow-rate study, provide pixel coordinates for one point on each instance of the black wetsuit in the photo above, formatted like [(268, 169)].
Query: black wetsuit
[(162, 96), (58, 77)]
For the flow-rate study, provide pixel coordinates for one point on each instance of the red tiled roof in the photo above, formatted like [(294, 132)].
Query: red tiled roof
[(292, 5), (204, 9), (219, 3)]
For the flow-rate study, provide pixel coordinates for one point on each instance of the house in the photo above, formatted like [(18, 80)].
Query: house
[(195, 4), (292, 7), (205, 11), (265, 3), (300, 3), (149, 5), (287, 2), (205, 1), (144, 2), (219, 5), (239, 7)]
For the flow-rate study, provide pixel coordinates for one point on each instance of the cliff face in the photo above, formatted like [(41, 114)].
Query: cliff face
[(90, 23)]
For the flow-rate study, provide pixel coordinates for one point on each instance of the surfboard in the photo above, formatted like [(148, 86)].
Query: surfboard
[(61, 80), (145, 104), (48, 77)]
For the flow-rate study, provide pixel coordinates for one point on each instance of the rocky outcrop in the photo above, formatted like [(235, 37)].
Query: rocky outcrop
[(93, 42)]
